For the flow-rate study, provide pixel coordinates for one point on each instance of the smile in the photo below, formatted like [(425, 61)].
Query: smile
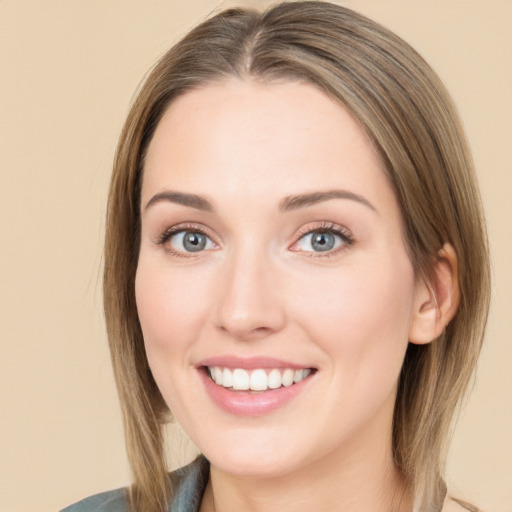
[(239, 379), (254, 386)]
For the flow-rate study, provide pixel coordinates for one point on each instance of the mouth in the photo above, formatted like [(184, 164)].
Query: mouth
[(258, 379), (254, 386)]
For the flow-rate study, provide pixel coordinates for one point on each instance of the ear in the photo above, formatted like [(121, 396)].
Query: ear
[(436, 301)]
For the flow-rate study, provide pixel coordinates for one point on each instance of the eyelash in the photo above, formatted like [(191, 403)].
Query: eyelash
[(326, 227), (166, 235), (322, 227)]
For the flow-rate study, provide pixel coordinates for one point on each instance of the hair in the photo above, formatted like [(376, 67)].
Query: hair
[(406, 112)]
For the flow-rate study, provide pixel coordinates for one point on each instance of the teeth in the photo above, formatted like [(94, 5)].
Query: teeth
[(217, 375), (256, 380), (227, 378), (288, 377), (274, 379), (240, 379)]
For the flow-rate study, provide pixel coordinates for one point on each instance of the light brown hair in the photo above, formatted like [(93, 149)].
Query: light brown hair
[(408, 115)]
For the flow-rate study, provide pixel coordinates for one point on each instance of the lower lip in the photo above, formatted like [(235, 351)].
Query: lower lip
[(250, 403)]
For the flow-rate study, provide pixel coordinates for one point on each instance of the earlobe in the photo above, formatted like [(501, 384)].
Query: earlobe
[(436, 301)]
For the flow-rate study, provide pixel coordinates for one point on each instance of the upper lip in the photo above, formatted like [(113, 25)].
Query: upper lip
[(249, 363)]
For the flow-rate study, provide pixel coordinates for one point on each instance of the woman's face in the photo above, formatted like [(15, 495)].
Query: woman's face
[(272, 249)]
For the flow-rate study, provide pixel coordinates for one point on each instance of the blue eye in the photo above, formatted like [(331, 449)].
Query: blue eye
[(190, 241), (320, 241)]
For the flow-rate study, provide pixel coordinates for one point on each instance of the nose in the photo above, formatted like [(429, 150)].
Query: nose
[(250, 305)]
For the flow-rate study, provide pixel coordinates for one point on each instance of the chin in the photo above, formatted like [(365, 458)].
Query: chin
[(253, 459)]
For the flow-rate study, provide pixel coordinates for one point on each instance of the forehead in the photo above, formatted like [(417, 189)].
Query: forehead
[(275, 139)]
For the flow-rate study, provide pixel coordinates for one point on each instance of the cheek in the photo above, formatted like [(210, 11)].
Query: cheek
[(361, 317), (170, 308)]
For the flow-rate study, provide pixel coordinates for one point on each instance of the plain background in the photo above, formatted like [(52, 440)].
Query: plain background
[(68, 72)]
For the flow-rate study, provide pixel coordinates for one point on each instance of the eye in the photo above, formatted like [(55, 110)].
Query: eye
[(323, 240), (189, 241), (319, 241)]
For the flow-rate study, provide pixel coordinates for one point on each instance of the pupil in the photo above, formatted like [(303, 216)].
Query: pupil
[(194, 242), (322, 241)]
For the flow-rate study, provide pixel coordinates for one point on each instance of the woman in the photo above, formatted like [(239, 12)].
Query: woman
[(296, 266)]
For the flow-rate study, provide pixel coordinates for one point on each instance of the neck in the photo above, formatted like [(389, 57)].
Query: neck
[(359, 478)]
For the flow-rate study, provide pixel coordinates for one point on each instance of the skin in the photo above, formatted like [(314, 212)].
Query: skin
[(259, 289)]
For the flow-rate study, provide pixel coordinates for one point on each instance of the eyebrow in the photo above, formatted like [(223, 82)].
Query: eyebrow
[(192, 200), (289, 203), (305, 200)]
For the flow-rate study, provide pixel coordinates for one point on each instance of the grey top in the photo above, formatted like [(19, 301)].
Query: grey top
[(189, 483)]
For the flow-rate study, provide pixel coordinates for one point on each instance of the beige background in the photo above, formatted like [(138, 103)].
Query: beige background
[(68, 70)]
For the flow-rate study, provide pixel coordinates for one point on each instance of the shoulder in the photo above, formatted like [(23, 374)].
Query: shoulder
[(110, 501), (188, 484)]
